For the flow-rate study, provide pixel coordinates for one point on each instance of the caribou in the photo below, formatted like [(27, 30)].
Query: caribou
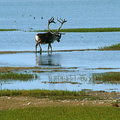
[(49, 37)]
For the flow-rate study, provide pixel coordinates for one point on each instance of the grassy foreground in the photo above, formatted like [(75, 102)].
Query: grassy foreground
[(64, 106), (62, 113)]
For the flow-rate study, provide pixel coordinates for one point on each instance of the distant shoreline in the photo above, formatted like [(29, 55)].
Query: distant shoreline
[(70, 30), (84, 30)]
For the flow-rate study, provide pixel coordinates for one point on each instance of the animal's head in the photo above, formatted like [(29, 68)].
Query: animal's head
[(56, 33), (58, 36)]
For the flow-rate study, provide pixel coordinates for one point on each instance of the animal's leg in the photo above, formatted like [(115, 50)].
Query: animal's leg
[(50, 47), (36, 46), (40, 47)]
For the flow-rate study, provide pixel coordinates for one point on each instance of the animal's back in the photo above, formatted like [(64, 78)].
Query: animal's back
[(44, 38)]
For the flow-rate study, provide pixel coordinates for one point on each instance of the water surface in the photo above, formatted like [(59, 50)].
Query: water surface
[(82, 60), (79, 13), (21, 41)]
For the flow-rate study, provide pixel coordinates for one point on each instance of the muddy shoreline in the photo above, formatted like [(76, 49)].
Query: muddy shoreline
[(13, 52), (13, 102)]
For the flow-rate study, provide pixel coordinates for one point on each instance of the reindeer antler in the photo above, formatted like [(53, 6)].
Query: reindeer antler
[(50, 21), (62, 22)]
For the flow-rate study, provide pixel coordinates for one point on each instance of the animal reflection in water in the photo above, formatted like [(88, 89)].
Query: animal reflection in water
[(47, 60)]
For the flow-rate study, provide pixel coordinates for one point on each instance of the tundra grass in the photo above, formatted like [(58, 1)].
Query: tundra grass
[(9, 69), (36, 71), (62, 113), (9, 30), (73, 30), (53, 94), (59, 82), (16, 76), (84, 30), (112, 47), (109, 77)]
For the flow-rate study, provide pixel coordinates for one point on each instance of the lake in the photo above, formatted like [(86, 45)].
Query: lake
[(19, 14), (21, 41)]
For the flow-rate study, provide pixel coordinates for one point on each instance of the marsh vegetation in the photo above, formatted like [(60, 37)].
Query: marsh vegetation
[(108, 77), (85, 30), (112, 47), (1, 30), (17, 76), (54, 94), (71, 30)]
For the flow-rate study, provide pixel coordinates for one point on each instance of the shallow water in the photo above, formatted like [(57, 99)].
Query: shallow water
[(21, 41), (82, 60)]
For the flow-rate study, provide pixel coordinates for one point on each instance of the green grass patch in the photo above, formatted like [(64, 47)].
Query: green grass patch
[(62, 113), (109, 77), (72, 30), (9, 29), (53, 94), (112, 47), (84, 30), (16, 76)]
